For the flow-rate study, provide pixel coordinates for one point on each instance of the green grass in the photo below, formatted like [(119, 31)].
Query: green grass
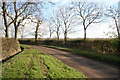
[(32, 63), (90, 53)]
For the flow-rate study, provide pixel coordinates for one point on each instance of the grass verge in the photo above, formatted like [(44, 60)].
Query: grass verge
[(31, 63), (90, 53)]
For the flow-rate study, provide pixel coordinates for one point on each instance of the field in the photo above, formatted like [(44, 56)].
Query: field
[(32, 63)]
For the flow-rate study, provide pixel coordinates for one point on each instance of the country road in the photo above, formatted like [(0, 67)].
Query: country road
[(89, 67)]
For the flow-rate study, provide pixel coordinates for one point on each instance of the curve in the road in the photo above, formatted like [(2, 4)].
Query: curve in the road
[(90, 67)]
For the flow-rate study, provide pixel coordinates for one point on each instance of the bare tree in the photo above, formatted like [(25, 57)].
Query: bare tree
[(51, 29), (4, 13), (37, 29), (68, 21), (6, 8), (113, 13), (55, 20), (14, 20), (18, 13), (88, 13), (38, 21)]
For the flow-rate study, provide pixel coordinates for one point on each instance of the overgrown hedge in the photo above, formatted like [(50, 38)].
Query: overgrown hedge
[(9, 47), (106, 46)]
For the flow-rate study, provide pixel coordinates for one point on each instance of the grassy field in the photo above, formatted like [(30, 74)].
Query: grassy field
[(31, 63), (90, 53)]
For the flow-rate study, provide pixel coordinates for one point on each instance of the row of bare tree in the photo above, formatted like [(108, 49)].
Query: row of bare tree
[(63, 20), (14, 13), (82, 14)]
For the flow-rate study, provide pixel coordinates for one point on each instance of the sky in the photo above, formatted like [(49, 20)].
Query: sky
[(107, 2), (95, 31)]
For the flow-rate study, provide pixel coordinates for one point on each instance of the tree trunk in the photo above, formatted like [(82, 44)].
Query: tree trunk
[(119, 43), (50, 34), (84, 38), (6, 32), (118, 27), (16, 28), (65, 38), (16, 32), (36, 37), (36, 32), (5, 19), (57, 36), (84, 34), (118, 33)]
